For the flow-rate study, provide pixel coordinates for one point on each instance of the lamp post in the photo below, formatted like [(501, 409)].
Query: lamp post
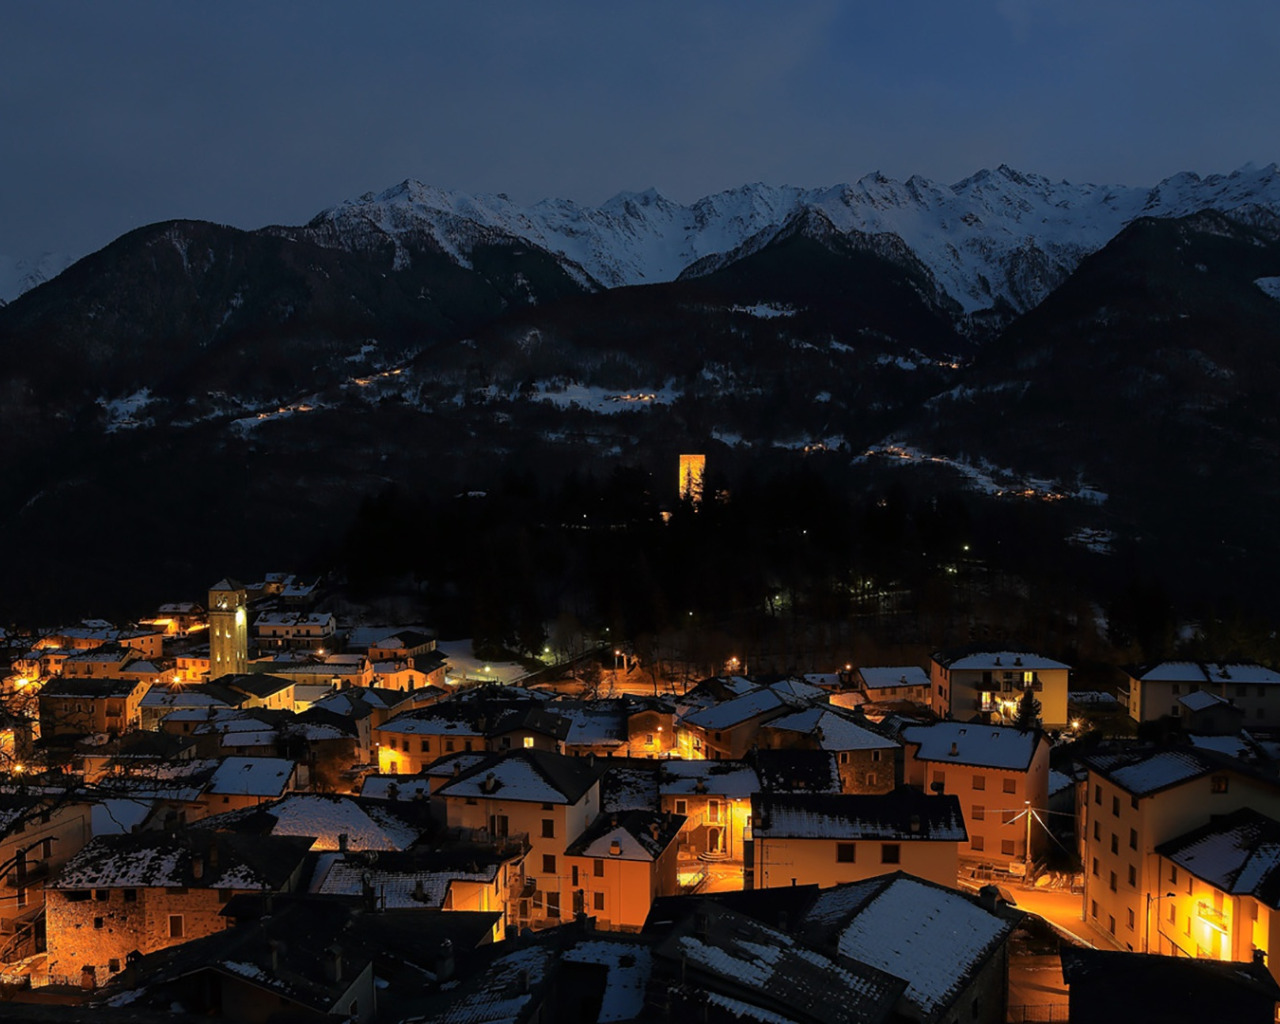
[(1146, 943)]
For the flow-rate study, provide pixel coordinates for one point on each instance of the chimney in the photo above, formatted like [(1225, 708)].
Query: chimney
[(444, 961), (489, 784), (212, 856), (915, 823), (197, 867), (615, 849), (989, 898), (343, 839), (419, 891), (276, 947), (955, 750), (1260, 957), (333, 964)]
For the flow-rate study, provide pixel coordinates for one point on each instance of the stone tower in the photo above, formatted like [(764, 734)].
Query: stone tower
[(228, 629)]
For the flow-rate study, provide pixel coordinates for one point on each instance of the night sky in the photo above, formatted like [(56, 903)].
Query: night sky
[(118, 114)]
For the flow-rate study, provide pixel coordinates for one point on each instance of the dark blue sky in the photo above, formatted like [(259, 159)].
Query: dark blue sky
[(118, 114)]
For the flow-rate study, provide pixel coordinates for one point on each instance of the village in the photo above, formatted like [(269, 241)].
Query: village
[(254, 810)]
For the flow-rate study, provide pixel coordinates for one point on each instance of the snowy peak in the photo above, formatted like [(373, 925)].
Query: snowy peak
[(999, 238)]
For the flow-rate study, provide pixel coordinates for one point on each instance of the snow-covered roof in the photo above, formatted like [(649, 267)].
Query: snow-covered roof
[(1026, 661), (528, 776), (902, 815), (716, 778), (631, 835), (233, 738), (933, 938), (740, 709), (628, 964), (1198, 700), (985, 746), (878, 677), (497, 996), (800, 689), (415, 723), (117, 816), (394, 787), (251, 776), (1232, 746), (1144, 772), (395, 889), (1059, 781), (1243, 672), (1174, 672), (833, 730), (1238, 853), (325, 818)]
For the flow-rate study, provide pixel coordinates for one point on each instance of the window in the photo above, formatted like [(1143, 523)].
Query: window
[(549, 864), (528, 742), (890, 853), (1115, 843), (844, 757), (1133, 838), (574, 876), (713, 811), (1173, 874), (1111, 924), (682, 807), (597, 868), (1011, 785), (1173, 911), (1097, 795), (426, 746), (1115, 807), (101, 895), (597, 900), (1093, 908), (1133, 876), (1218, 784), (978, 843), (21, 898), (979, 782), (548, 828), (1095, 865), (1006, 847), (846, 853), (1097, 832), (875, 755), (97, 922), (176, 930), (553, 904), (113, 965), (979, 813), (1133, 802), (448, 745), (1113, 882)]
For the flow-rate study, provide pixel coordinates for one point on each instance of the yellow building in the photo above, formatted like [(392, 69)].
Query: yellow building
[(829, 839), (1219, 891), (546, 798), (1134, 801), (967, 683), (997, 774), (621, 864)]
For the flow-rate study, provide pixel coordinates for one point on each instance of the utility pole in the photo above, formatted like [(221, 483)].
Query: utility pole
[(1026, 857)]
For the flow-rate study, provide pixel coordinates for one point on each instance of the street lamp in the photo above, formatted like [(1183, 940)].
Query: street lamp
[(1146, 944)]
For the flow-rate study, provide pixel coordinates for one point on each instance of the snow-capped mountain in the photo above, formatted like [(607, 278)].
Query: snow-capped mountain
[(21, 274), (998, 237)]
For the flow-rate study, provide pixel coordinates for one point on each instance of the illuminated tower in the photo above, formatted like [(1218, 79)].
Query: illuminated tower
[(692, 468), (228, 629)]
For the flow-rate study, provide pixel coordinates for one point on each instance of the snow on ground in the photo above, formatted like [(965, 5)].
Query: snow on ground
[(125, 413), (248, 423), (464, 666), (765, 310), (1270, 285), (988, 478), (1095, 540), (606, 401)]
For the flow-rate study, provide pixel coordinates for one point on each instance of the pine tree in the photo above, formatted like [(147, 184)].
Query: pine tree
[(1028, 716)]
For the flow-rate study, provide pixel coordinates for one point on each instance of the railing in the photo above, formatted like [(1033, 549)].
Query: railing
[(1211, 916)]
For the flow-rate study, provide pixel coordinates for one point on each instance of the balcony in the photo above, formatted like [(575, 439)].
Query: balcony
[(1214, 918), (22, 875)]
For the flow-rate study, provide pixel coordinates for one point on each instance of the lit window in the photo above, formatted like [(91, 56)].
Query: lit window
[(528, 741)]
